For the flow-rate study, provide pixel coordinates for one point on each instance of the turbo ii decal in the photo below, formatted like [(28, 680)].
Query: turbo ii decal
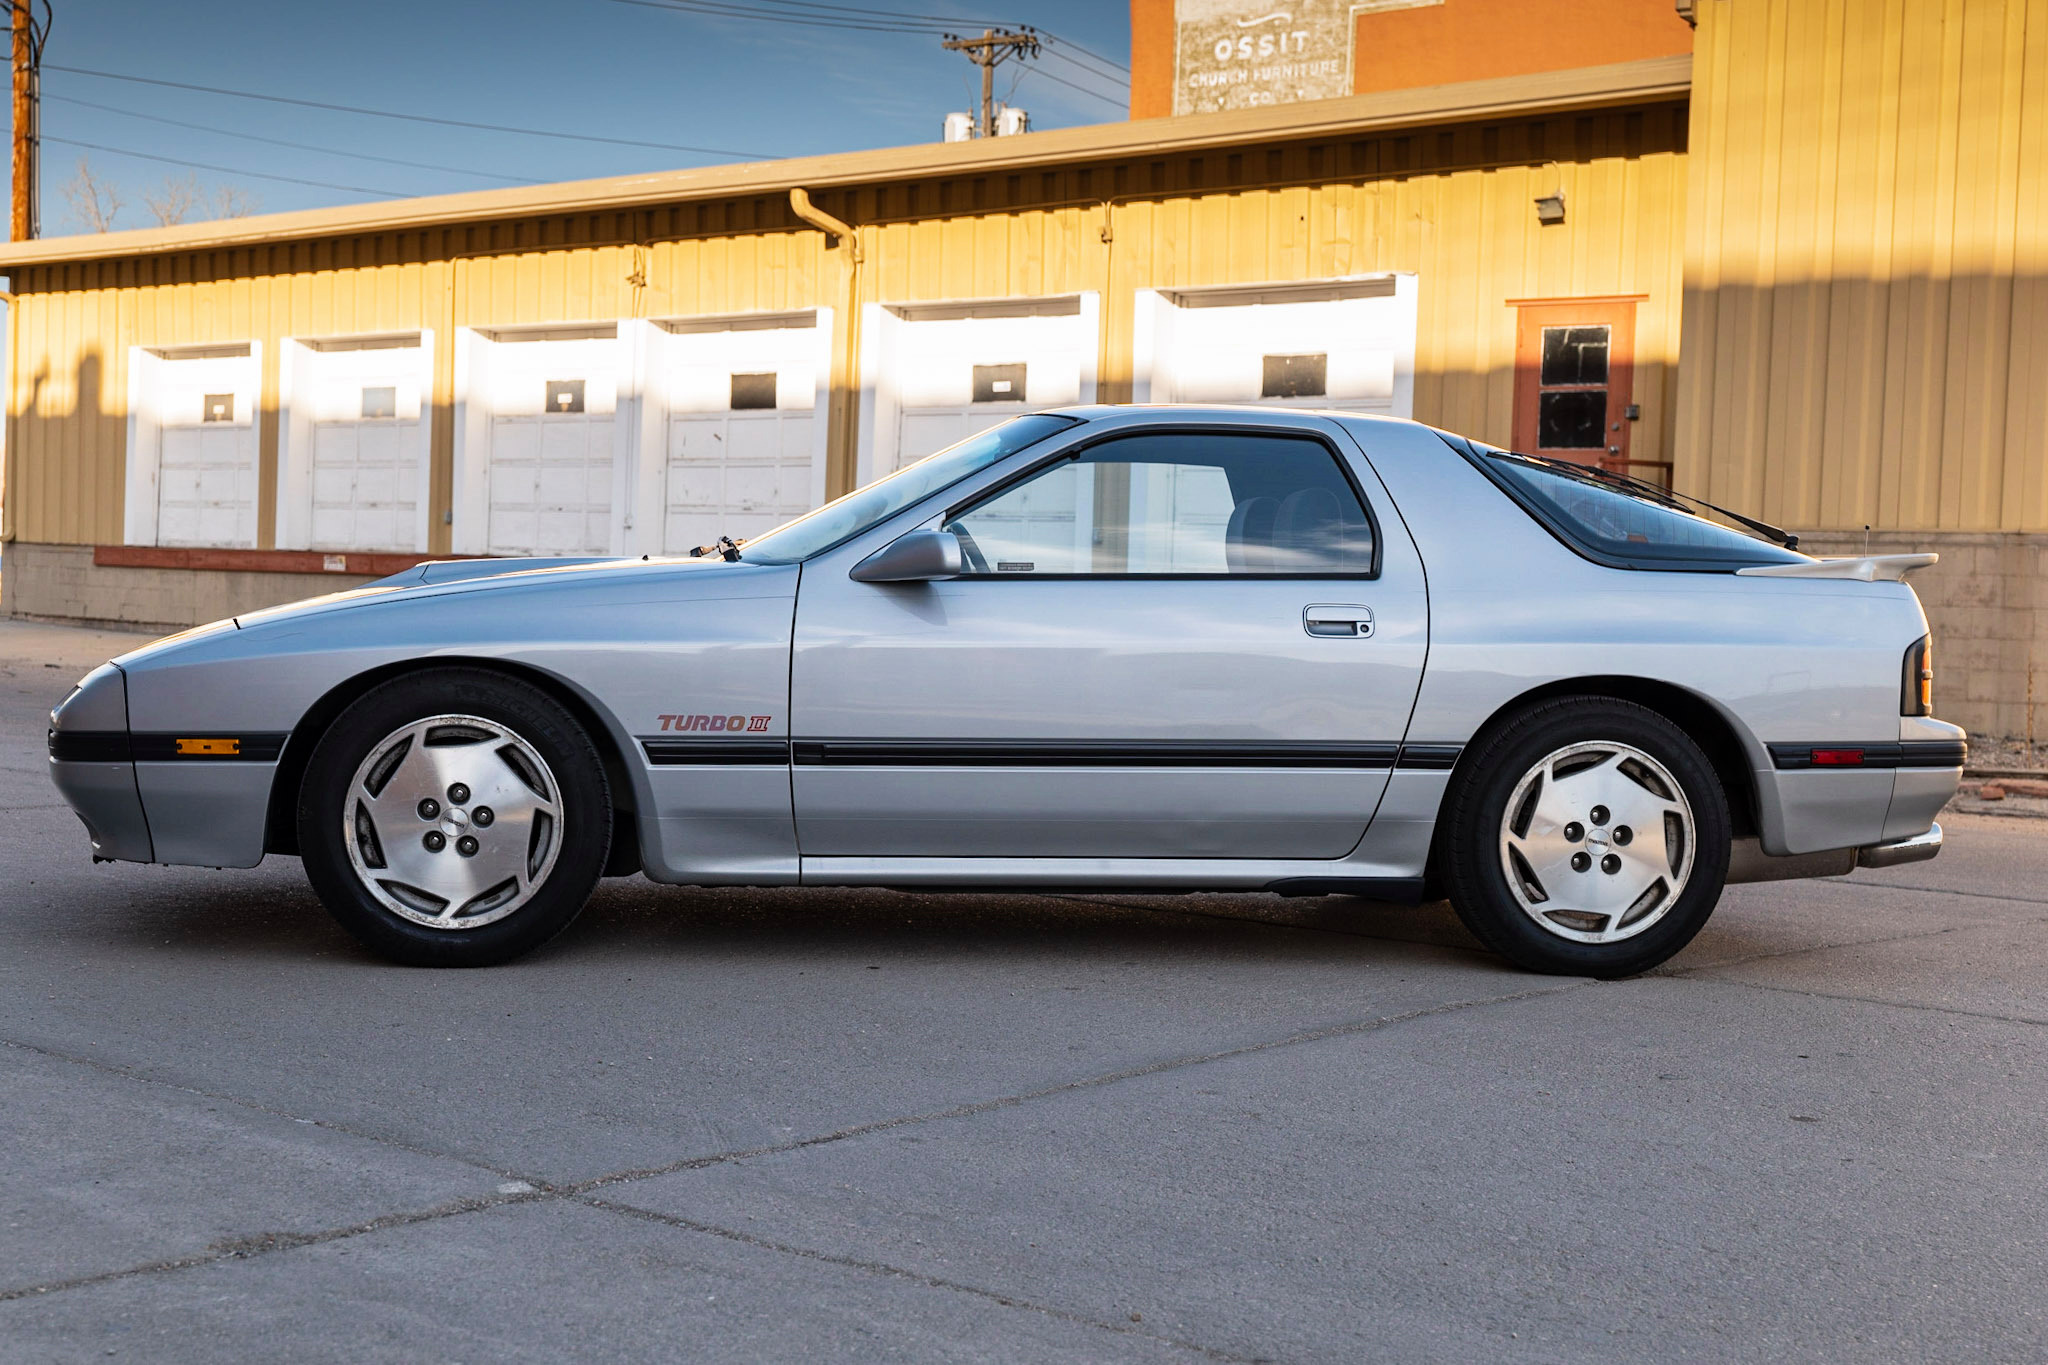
[(717, 724)]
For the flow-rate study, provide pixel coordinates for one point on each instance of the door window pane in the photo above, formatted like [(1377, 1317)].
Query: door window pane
[(1574, 355), (1571, 419), (1175, 504)]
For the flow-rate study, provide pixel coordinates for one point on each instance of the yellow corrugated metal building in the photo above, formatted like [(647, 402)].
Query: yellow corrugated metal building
[(1814, 254)]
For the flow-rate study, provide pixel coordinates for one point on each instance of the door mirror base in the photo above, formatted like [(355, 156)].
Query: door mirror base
[(915, 557)]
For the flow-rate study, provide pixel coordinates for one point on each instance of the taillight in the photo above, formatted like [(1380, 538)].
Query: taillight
[(1916, 688)]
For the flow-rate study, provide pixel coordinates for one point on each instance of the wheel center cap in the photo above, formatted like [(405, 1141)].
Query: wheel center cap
[(456, 821), (1597, 838)]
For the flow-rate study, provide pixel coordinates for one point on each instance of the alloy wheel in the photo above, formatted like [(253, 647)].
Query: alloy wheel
[(453, 822), (1597, 842)]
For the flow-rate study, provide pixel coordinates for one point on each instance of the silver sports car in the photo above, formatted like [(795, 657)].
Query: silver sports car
[(1159, 648)]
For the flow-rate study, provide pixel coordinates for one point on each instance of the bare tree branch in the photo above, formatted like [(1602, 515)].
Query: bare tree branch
[(94, 201), (174, 201), (232, 201)]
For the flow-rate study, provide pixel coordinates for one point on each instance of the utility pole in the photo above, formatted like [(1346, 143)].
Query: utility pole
[(988, 52), (25, 222)]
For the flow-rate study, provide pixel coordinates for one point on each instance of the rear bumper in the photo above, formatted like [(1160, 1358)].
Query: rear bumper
[(1917, 848)]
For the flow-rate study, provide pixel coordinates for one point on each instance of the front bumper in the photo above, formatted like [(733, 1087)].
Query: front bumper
[(1917, 848), (93, 770)]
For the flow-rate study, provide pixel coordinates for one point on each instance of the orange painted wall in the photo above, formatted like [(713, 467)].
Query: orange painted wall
[(1458, 40), (1151, 58), (1471, 40)]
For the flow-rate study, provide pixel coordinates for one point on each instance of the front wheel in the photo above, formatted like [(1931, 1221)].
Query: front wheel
[(1587, 836), (454, 818)]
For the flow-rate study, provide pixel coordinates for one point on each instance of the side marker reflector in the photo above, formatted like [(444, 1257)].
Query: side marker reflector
[(219, 748), (1837, 758)]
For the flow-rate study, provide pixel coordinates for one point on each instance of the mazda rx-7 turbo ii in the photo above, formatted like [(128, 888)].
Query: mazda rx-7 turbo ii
[(1094, 649)]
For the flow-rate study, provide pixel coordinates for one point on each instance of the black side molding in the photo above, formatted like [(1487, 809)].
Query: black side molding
[(1431, 757), (1912, 753), (664, 752), (967, 753), (120, 746)]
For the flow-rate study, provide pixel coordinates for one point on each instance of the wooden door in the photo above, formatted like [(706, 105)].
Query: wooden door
[(1574, 380)]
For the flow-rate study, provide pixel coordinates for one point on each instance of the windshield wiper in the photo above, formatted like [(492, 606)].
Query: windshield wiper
[(1669, 497)]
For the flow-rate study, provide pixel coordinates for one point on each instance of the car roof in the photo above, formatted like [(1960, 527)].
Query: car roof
[(1229, 412)]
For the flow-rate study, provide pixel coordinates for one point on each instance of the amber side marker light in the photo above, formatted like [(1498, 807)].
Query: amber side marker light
[(1916, 687), (217, 748)]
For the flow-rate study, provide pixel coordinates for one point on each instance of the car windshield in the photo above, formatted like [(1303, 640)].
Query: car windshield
[(1627, 522), (843, 518)]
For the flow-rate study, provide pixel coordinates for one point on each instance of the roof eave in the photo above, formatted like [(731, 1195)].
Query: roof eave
[(1638, 82)]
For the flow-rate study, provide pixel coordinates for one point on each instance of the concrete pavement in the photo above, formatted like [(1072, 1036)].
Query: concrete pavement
[(796, 1125)]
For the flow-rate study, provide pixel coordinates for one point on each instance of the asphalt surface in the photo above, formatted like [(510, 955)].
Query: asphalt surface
[(802, 1125)]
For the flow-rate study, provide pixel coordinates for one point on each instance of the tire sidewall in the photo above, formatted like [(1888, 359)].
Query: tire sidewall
[(1479, 883), (585, 802)]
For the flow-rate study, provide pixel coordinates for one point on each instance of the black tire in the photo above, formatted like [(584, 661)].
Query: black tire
[(1476, 865), (576, 848)]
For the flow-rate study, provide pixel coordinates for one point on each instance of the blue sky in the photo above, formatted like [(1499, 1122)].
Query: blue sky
[(629, 69)]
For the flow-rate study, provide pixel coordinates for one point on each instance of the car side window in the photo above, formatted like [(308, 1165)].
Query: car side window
[(1175, 503)]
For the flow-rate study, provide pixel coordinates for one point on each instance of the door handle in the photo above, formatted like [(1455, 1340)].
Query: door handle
[(1337, 618)]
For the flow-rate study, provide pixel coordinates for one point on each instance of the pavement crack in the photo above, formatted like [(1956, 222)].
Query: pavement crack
[(1725, 963), (884, 1268), (1350, 1028), (1933, 890), (269, 1243), (1868, 1000), (254, 1107)]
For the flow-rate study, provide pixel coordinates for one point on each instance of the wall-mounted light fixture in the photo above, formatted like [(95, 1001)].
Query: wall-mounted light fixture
[(1550, 208)]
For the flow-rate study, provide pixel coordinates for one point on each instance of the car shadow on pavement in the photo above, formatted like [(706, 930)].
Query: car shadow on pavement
[(271, 913)]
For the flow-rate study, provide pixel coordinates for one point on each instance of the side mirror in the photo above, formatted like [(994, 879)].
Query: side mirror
[(915, 557)]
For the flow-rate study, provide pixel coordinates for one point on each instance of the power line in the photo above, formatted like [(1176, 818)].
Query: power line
[(813, 14), (409, 118), (1080, 65), (280, 142), (1061, 80), (1055, 39), (226, 170)]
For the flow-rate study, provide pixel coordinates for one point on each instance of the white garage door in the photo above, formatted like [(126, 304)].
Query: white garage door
[(745, 449), (354, 448), (551, 456), (942, 372), (206, 468), (1343, 344), (735, 474)]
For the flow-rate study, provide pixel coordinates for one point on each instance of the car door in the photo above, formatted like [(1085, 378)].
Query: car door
[(1170, 642)]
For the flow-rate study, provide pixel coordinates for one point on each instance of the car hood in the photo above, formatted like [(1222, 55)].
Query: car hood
[(450, 578)]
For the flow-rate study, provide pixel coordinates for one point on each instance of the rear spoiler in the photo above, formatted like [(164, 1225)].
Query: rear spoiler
[(1863, 568)]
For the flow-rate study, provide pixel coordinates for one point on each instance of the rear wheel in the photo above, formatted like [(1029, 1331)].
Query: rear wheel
[(454, 818), (1587, 836)]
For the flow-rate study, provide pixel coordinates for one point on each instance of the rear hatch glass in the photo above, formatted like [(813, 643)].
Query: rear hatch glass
[(1627, 523)]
